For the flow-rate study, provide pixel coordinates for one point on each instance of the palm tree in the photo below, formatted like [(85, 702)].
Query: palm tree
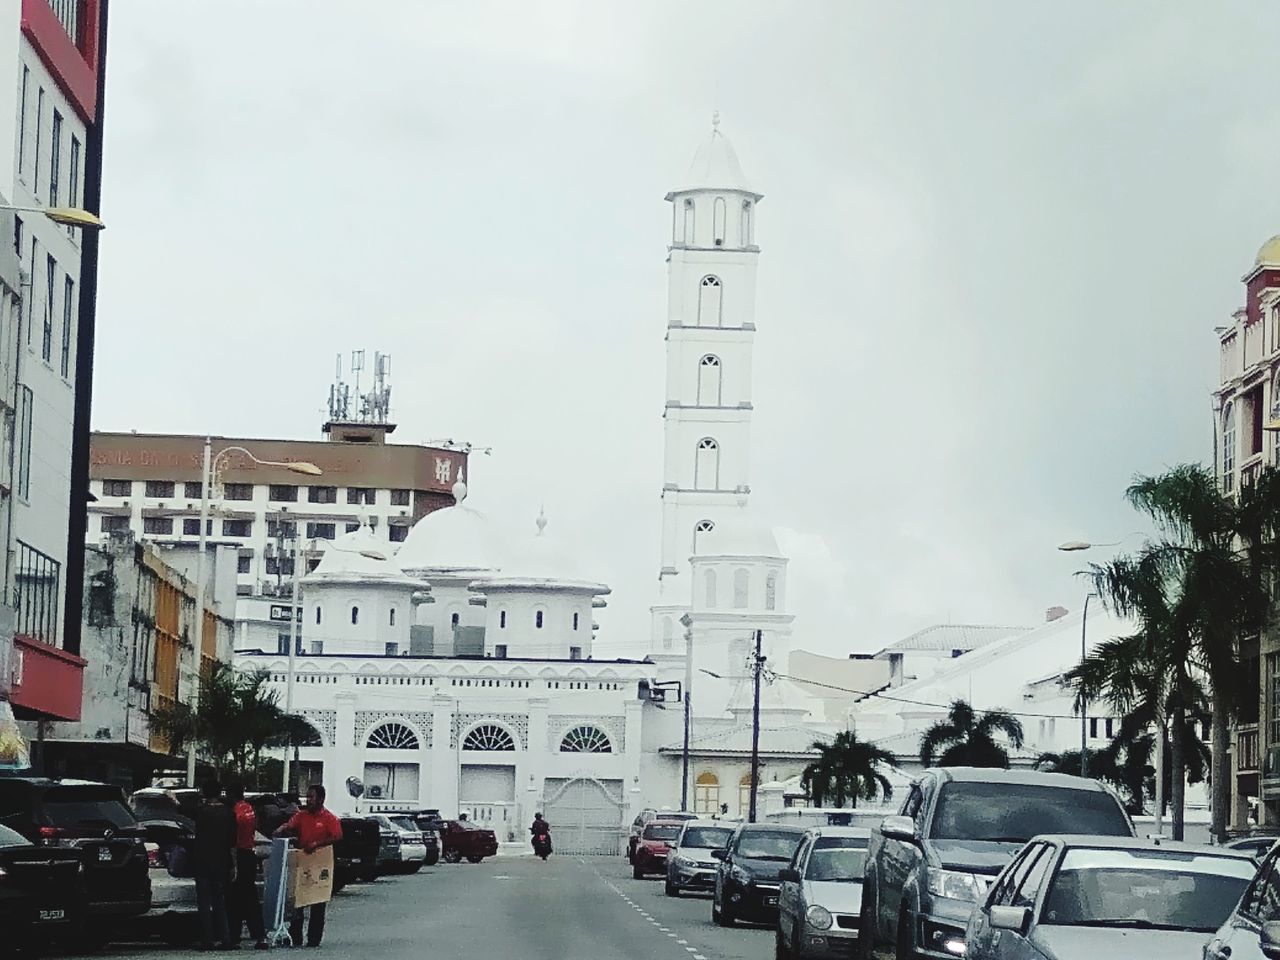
[(846, 771), (969, 738)]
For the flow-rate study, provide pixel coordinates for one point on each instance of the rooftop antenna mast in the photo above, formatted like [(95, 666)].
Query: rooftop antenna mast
[(339, 396)]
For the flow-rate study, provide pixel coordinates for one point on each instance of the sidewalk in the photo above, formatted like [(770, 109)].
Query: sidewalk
[(515, 849)]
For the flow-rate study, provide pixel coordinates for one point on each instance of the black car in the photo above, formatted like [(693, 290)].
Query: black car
[(92, 819), (356, 854), (747, 881), (41, 891)]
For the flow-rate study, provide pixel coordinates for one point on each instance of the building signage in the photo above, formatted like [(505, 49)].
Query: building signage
[(280, 612)]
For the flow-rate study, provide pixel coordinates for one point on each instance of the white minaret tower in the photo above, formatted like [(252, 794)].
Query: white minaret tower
[(711, 284)]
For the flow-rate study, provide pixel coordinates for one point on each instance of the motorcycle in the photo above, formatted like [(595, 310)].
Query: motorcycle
[(542, 845)]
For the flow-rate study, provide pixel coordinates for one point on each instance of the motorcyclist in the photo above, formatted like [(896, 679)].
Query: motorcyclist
[(540, 828)]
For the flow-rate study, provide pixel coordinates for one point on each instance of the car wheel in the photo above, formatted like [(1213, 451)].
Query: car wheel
[(906, 950), (453, 856), (414, 867), (636, 872), (432, 859), (672, 890), (725, 917), (473, 858)]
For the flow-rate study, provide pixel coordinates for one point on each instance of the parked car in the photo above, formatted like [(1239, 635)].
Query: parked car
[(747, 876), (152, 803), (1257, 845), (432, 825), (820, 901), (355, 856), (42, 893), (690, 865), (638, 824), (1252, 930), (651, 852), (91, 818), (459, 839), (958, 827), (1081, 898), (827, 817), (388, 845), (412, 849)]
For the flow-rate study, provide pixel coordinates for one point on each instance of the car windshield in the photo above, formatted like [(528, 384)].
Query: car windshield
[(404, 823), (12, 838), (1016, 812), (767, 845), (837, 859), (74, 807), (706, 838), (1145, 889), (662, 831)]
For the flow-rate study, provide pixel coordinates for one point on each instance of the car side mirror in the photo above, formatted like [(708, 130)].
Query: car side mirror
[(899, 828), (787, 875), (1010, 918), (719, 854), (1269, 940)]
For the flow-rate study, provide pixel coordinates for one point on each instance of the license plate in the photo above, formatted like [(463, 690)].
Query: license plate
[(104, 854), (770, 901), (49, 916)]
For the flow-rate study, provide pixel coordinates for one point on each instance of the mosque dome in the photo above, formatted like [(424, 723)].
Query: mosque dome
[(358, 555), (1269, 253), (451, 538), (545, 559), (715, 165)]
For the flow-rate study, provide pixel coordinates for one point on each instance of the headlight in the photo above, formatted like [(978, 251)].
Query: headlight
[(684, 862), (954, 885), (819, 917), (737, 873)]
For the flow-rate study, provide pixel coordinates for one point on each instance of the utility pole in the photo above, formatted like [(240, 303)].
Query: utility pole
[(295, 615), (688, 711), (757, 669), (1084, 705)]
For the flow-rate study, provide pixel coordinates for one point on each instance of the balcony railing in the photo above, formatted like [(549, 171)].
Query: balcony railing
[(1247, 748)]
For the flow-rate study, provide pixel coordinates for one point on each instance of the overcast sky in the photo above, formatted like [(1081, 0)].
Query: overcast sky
[(996, 239)]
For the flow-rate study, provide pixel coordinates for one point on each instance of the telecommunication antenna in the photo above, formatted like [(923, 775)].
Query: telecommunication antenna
[(373, 407), (357, 364)]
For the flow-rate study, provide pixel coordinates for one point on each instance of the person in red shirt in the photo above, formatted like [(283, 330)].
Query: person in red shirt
[(315, 827), (242, 901)]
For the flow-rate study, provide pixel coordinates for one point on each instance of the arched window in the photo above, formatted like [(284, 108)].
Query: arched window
[(744, 794), (709, 579), (689, 236), (502, 620), (700, 528), (706, 465), (746, 223), (454, 620), (717, 221), (537, 619), (709, 298), (668, 633), (706, 794), (586, 740), (741, 586), (709, 381), (575, 621), (393, 736), (355, 615), (310, 737), (488, 736), (1228, 447), (771, 591), (317, 613), (393, 617)]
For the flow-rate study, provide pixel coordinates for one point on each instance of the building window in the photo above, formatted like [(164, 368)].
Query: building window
[(115, 523), (46, 337), (575, 621), (282, 529), (193, 490), (158, 526), (454, 620), (710, 302), (35, 169), (359, 495), (718, 216), (668, 633), (317, 648), (575, 653), (237, 528), (1110, 727), (500, 651), (488, 736), (355, 616), (244, 564), (1093, 728), (280, 566), (700, 528), (22, 119), (1273, 697), (17, 236), (117, 488), (502, 620), (689, 223), (392, 617), (391, 649), (709, 393), (709, 579), (73, 181), (397, 532), (55, 158), (31, 300), (282, 493), (353, 527), (321, 531), (537, 619), (26, 410), (771, 591), (741, 587), (317, 614), (586, 740), (706, 794), (706, 465), (322, 494), (191, 527), (159, 489), (1228, 448), (400, 498), (745, 225), (68, 318), (744, 794), (238, 491), (35, 588), (393, 736)]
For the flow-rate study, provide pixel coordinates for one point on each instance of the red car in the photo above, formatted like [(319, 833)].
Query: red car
[(646, 817), (653, 846), (459, 839)]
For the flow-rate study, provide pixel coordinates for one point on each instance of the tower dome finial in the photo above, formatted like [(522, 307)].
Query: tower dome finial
[(542, 520), (715, 121), (459, 488)]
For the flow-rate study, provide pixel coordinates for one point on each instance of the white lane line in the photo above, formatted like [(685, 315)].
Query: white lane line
[(682, 942), (665, 929), (671, 935), (698, 956)]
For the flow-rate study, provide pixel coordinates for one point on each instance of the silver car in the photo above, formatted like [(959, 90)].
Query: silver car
[(820, 902), (690, 865), (1098, 898), (413, 848)]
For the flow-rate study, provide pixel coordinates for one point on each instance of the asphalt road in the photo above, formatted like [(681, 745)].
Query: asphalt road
[(568, 908)]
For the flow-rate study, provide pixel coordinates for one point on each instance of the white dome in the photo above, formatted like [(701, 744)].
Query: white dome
[(739, 535), (544, 558), (715, 166), (354, 556), (451, 538)]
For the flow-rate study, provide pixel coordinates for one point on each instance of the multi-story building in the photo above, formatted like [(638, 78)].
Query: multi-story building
[(54, 53)]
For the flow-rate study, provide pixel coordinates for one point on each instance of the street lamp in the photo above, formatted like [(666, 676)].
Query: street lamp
[(208, 470), (67, 216)]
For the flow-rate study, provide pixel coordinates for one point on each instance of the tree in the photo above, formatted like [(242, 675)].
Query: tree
[(237, 717), (845, 771), (969, 738)]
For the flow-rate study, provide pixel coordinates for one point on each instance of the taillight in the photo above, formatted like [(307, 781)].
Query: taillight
[(49, 834), (154, 860)]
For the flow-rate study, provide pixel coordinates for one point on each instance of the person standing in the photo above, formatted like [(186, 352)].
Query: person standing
[(315, 827), (213, 863), (242, 903)]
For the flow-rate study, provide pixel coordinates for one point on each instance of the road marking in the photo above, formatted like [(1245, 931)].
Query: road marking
[(682, 942)]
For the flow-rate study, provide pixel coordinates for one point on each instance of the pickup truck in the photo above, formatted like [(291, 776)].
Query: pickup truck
[(957, 829)]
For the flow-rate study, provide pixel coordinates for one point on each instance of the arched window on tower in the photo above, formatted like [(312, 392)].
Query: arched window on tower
[(317, 613), (741, 587), (709, 299), (709, 382), (706, 466), (771, 591), (355, 616), (1228, 448), (718, 221), (688, 222), (668, 633), (746, 223), (709, 579), (700, 528), (393, 617)]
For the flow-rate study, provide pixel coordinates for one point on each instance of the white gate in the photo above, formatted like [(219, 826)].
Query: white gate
[(585, 815)]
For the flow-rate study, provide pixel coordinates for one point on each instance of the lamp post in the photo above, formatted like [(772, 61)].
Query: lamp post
[(66, 216), (688, 710), (208, 471)]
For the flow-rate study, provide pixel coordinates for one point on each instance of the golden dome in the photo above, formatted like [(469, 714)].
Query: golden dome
[(1269, 255)]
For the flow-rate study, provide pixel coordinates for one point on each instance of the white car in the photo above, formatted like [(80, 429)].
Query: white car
[(413, 845), (690, 865)]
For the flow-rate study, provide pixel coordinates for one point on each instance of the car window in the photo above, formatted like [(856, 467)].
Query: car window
[(911, 805), (1025, 894), (1002, 893), (1262, 897), (12, 838), (706, 838), (797, 861), (662, 831), (767, 845), (837, 860), (77, 807), (1016, 812)]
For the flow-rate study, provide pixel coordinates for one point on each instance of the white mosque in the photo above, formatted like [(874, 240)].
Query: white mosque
[(460, 674)]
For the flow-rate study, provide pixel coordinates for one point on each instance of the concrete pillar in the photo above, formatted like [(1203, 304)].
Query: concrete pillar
[(345, 757), (442, 784), (531, 780), (633, 793)]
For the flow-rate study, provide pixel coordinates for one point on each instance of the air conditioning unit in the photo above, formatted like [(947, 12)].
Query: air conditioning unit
[(375, 793)]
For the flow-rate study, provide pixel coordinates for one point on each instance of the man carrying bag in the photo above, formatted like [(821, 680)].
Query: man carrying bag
[(315, 828)]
